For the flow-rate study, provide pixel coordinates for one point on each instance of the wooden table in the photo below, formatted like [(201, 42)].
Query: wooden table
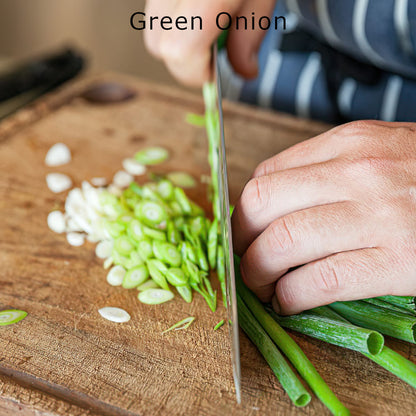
[(64, 359)]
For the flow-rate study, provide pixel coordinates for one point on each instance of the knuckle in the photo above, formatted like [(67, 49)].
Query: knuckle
[(357, 128), (281, 236), (327, 276)]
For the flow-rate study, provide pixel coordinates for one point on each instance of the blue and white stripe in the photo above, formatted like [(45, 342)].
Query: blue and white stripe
[(379, 32)]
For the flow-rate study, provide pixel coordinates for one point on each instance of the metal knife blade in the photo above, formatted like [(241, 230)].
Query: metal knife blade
[(225, 222)]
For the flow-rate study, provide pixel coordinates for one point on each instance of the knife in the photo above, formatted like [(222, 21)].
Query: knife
[(222, 211)]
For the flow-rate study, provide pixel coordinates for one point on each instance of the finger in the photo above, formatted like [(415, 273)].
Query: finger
[(303, 237), (269, 197), (187, 53), (345, 276), (243, 45), (318, 149), (152, 38)]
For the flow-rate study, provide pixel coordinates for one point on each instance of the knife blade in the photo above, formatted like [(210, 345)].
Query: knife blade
[(225, 225)]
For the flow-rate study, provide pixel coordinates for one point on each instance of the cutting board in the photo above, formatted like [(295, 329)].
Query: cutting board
[(64, 359)]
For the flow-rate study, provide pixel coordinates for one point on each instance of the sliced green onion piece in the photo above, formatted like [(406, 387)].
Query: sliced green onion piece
[(135, 230), (183, 324), (145, 249), (155, 234), (151, 156), (167, 253), (11, 316), (135, 277), (183, 200), (173, 234), (155, 296), (116, 275), (182, 179), (186, 292), (148, 284), (114, 314), (219, 324), (213, 243), (157, 272), (103, 249), (197, 120), (165, 189), (150, 212), (123, 246), (176, 277)]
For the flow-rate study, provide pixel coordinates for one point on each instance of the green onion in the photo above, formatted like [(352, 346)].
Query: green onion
[(176, 277), (151, 155), (155, 296), (338, 333), (289, 347), (157, 272), (289, 381), (213, 243), (135, 230), (167, 253), (386, 321), (182, 179), (135, 277), (123, 246), (11, 316), (145, 249), (165, 189), (219, 324), (182, 200), (186, 292), (406, 302), (183, 324), (154, 234), (148, 284), (197, 120), (387, 305), (150, 213), (386, 358)]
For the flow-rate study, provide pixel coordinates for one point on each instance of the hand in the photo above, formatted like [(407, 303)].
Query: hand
[(187, 53), (340, 207)]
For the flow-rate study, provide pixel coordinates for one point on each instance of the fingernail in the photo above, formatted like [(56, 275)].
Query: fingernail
[(275, 304)]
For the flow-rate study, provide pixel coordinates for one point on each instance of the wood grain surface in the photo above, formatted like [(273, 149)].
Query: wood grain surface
[(64, 359)]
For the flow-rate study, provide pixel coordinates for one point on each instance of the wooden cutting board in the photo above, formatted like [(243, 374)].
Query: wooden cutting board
[(64, 359)]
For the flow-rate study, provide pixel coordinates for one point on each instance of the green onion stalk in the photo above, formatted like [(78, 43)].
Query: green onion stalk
[(289, 347)]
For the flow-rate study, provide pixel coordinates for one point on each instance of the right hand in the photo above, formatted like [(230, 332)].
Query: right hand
[(187, 53)]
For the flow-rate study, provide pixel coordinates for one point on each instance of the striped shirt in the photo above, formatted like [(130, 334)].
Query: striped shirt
[(378, 33)]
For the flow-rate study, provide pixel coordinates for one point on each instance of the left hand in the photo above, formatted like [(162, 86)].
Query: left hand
[(340, 207)]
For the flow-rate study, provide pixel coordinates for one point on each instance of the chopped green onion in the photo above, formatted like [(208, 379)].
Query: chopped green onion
[(165, 189), (213, 243), (182, 200), (155, 296), (155, 234), (135, 277), (167, 253), (150, 213), (114, 314), (11, 316), (219, 324), (186, 292), (148, 284), (183, 324), (123, 246), (197, 120), (116, 275), (151, 156), (135, 230), (182, 179), (176, 277), (157, 272)]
